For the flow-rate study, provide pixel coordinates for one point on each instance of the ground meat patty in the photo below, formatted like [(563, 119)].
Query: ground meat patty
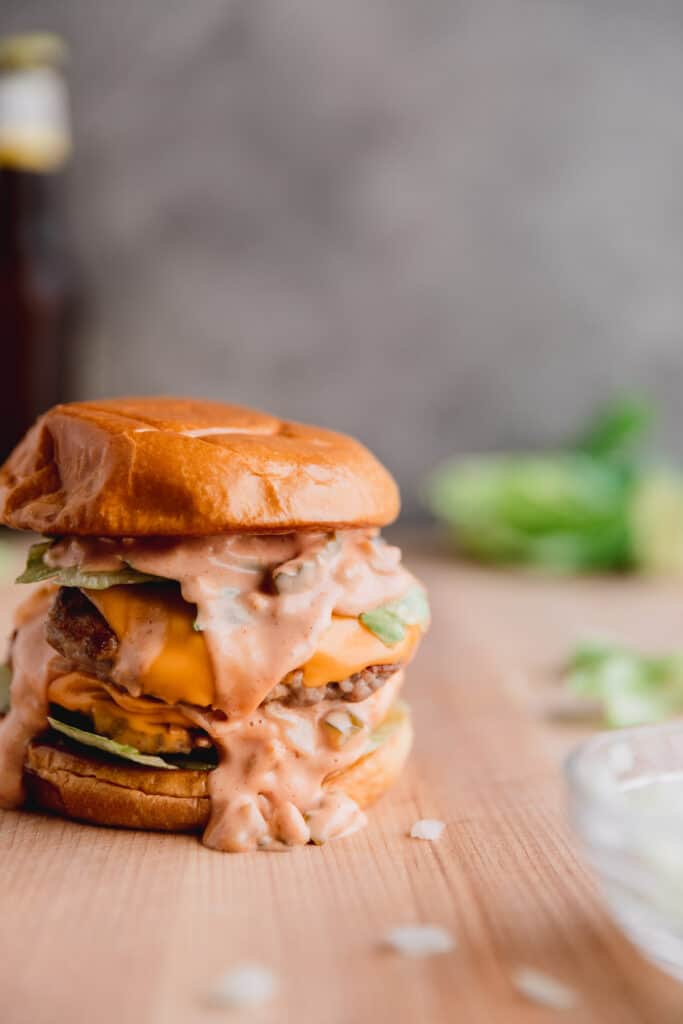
[(77, 631), (80, 634), (357, 687)]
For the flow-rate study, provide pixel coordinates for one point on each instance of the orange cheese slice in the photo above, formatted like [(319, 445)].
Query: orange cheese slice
[(348, 647), (180, 669), (79, 692)]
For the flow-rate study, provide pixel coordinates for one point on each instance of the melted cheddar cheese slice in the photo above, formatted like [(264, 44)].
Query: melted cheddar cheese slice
[(147, 724), (180, 668), (80, 692), (347, 647)]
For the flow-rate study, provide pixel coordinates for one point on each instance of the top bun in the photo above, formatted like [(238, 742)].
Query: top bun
[(132, 467)]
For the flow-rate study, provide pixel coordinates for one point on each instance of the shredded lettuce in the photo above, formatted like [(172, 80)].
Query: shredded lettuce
[(631, 688), (5, 680), (88, 738), (72, 576), (389, 621), (122, 750)]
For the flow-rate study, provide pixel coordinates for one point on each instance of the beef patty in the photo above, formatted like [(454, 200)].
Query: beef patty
[(80, 633), (77, 631)]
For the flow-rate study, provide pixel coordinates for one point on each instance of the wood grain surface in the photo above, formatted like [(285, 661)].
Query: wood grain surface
[(111, 926)]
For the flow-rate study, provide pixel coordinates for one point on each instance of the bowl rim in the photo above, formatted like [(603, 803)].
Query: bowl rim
[(600, 790)]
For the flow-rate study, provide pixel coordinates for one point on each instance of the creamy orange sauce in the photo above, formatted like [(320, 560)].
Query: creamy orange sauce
[(255, 639), (33, 661), (273, 760), (268, 787)]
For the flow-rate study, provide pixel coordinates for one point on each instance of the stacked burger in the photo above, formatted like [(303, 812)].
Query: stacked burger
[(218, 635)]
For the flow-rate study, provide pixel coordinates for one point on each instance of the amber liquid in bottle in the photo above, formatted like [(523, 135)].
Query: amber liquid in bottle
[(37, 285)]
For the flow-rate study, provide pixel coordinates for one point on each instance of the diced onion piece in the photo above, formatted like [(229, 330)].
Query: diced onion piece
[(427, 828), (542, 989), (420, 940), (341, 726), (243, 986)]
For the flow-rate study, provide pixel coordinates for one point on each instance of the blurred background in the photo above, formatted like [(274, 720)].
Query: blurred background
[(439, 226)]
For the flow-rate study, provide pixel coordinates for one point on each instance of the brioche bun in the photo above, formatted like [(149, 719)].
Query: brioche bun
[(103, 792), (182, 467)]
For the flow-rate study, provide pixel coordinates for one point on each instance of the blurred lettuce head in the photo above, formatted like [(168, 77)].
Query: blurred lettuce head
[(593, 506), (562, 511)]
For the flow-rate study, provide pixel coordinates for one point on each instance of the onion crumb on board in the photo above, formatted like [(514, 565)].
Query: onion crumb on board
[(419, 940), (543, 989), (427, 828), (243, 986)]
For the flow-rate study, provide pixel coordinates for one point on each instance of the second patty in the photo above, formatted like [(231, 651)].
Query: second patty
[(80, 633)]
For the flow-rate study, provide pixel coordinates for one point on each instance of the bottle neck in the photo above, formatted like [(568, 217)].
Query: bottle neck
[(34, 120), (35, 143)]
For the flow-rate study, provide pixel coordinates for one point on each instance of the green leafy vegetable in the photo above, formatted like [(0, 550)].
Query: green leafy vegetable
[(5, 680), (36, 570), (122, 750), (389, 621), (72, 576), (656, 522), (612, 433), (632, 688), (383, 731), (190, 762), (593, 506), (75, 577), (565, 511)]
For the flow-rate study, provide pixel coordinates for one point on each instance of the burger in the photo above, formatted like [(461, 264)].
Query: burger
[(218, 633)]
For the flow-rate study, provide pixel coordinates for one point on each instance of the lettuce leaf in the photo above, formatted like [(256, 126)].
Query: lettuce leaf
[(616, 428), (593, 505), (190, 762), (75, 577), (5, 680), (381, 733), (36, 570), (631, 688), (72, 576), (122, 750), (565, 511), (389, 621)]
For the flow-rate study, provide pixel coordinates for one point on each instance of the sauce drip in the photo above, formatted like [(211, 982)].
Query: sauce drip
[(263, 604), (255, 638), (33, 659)]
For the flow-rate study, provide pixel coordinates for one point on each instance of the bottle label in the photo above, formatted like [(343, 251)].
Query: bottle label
[(34, 120)]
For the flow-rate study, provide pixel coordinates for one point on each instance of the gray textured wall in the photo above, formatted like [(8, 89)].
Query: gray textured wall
[(438, 224)]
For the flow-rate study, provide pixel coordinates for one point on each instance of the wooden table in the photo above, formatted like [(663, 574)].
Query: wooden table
[(108, 926)]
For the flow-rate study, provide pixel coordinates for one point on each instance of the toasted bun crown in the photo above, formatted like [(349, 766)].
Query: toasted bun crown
[(174, 466)]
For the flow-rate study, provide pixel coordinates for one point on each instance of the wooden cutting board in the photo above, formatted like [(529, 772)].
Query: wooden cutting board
[(111, 926)]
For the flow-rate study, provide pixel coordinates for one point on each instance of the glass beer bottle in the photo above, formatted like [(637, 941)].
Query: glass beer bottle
[(36, 275)]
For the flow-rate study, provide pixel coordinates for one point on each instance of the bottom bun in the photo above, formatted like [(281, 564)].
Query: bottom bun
[(102, 791)]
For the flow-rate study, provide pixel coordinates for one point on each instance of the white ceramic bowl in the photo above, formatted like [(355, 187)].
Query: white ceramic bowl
[(626, 804)]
